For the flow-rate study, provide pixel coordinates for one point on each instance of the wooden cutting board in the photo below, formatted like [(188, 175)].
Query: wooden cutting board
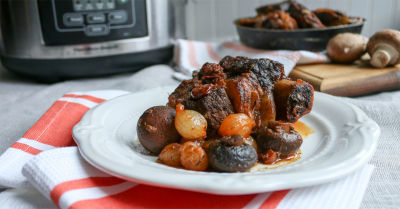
[(348, 80)]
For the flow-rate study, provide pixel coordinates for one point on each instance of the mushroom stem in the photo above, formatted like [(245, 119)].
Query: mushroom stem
[(380, 58), (383, 56)]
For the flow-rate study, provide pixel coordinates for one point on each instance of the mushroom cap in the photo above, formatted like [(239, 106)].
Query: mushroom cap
[(387, 36), (346, 47)]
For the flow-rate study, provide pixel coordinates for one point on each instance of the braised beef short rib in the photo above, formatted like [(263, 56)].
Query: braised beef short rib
[(256, 87)]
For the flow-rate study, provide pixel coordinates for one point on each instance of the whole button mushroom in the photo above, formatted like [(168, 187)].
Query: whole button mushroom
[(231, 154), (156, 128), (280, 137), (384, 48), (346, 47)]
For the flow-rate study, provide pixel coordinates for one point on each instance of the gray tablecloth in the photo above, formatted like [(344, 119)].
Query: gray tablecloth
[(23, 101)]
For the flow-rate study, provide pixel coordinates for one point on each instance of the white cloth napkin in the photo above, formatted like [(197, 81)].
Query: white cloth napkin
[(190, 55)]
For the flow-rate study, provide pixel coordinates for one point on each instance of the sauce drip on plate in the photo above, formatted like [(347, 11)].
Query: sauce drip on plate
[(303, 129)]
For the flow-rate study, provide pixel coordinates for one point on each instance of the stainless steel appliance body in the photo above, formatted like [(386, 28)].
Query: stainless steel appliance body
[(53, 39)]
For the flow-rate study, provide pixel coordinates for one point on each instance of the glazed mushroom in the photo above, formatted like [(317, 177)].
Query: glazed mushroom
[(156, 128), (279, 136), (384, 48), (231, 154), (346, 47)]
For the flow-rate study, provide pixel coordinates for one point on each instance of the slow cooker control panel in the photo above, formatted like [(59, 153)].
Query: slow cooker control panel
[(88, 21)]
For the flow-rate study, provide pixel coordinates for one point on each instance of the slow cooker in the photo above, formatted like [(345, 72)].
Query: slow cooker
[(58, 39)]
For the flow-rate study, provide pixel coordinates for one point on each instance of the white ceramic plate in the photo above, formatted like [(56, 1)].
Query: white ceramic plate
[(344, 139)]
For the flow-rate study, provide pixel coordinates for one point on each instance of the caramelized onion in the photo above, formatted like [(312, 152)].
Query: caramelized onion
[(171, 155), (236, 124), (193, 157), (190, 124)]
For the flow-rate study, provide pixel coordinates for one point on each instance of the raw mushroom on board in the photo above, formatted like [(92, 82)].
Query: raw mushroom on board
[(384, 48), (346, 47)]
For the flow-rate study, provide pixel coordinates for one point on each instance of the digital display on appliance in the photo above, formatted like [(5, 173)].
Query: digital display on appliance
[(93, 5)]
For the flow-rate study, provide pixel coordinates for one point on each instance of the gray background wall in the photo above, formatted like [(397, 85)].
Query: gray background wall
[(211, 20)]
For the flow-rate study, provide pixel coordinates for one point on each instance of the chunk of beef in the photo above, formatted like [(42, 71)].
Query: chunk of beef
[(264, 10), (213, 103), (267, 108), (304, 17), (331, 17), (280, 20), (293, 99), (254, 22), (182, 93), (265, 71), (234, 66), (211, 73), (244, 96), (215, 107)]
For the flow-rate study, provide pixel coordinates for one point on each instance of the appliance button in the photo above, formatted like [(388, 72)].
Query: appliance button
[(99, 4), (117, 17), (95, 18), (96, 30), (72, 19), (89, 5), (78, 5), (110, 4)]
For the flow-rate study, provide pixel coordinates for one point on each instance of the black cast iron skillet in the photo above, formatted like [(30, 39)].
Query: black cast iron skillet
[(312, 39)]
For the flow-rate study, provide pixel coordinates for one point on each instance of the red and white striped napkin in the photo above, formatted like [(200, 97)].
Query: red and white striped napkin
[(62, 176), (52, 130), (190, 55)]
